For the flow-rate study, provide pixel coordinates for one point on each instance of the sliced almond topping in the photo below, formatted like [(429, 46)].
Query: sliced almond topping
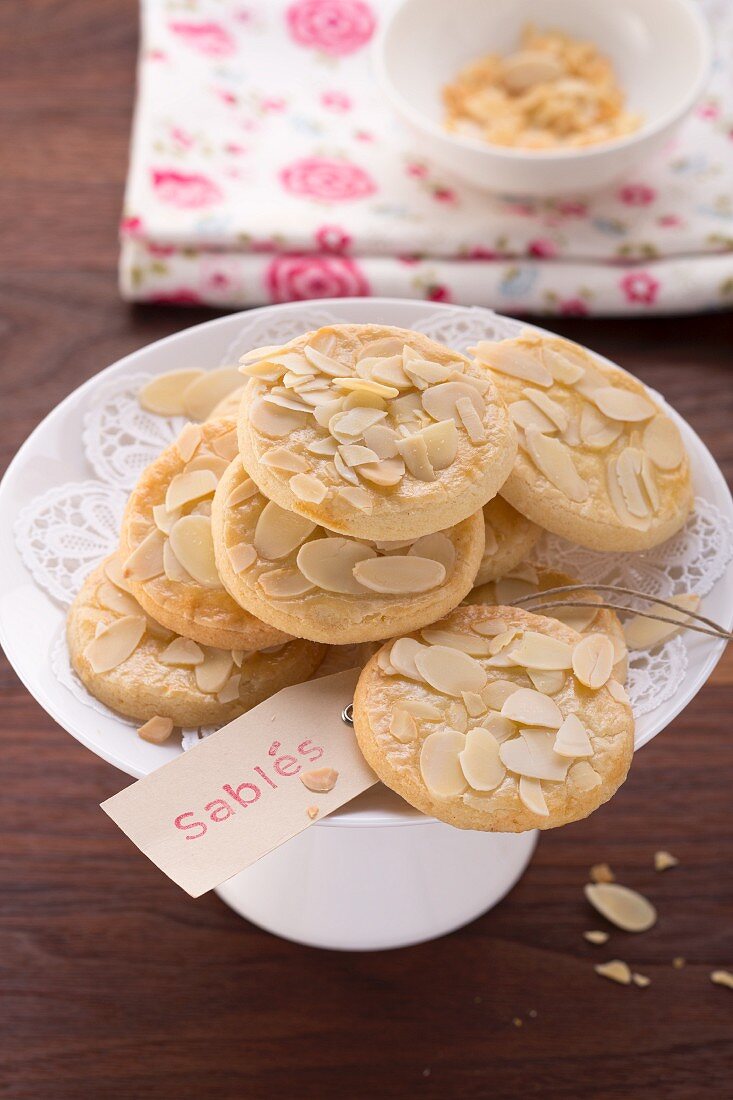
[(526, 415), (662, 442), (722, 977), (230, 692), (284, 401), (621, 906), (184, 652), (629, 469), (402, 657), (473, 703), (415, 453), (267, 370), (163, 395), (243, 492), (532, 708), (532, 754), (427, 371), (619, 493), (319, 779), (549, 683), (256, 354), (615, 970), (441, 441), (113, 572), (572, 738), (357, 497), (618, 692), (324, 363), (403, 726), (532, 796), (480, 760), (308, 488), (456, 717), (618, 404), (418, 709), (284, 584), (146, 561), (382, 440), (326, 447), (501, 728), (344, 471), (554, 460), (449, 670), (593, 660), (207, 390), (349, 426), (540, 651), (226, 446), (440, 765), (552, 409), (323, 414), (188, 487), (172, 568), (272, 420), (641, 980), (440, 401), (156, 730), (354, 454), (330, 563), (561, 368), (214, 671), (399, 575), (496, 693), (601, 872), (596, 430), (279, 532), (193, 545), (115, 643), (467, 643), (641, 632), (114, 599), (438, 547), (385, 369), (366, 385), (384, 346), (211, 463), (578, 618), (514, 359), (596, 937), (242, 556), (389, 471), (664, 860), (583, 776), (471, 420), (281, 458), (408, 408)]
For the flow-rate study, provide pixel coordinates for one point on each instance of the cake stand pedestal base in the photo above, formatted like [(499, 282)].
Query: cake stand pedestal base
[(355, 888)]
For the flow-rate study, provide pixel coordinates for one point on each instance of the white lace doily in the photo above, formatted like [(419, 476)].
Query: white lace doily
[(62, 534)]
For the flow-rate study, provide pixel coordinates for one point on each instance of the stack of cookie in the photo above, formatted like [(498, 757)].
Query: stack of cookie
[(348, 497)]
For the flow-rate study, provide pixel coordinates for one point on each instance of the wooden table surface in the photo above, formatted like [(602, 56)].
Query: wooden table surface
[(114, 982)]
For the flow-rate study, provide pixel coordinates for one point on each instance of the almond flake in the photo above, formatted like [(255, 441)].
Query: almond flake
[(284, 584), (349, 426), (385, 346), (163, 395), (471, 420), (497, 692), (325, 412), (593, 660), (242, 556), (572, 738), (115, 643), (616, 970), (548, 683), (623, 907), (618, 692), (583, 776), (722, 977), (324, 363), (146, 561), (501, 728), (399, 575), (187, 487), (418, 709), (641, 980), (326, 447), (591, 380), (308, 488), (172, 568), (618, 404), (382, 440), (230, 692), (387, 472), (414, 451), (272, 420), (596, 937), (402, 657), (449, 670), (510, 357), (532, 754), (366, 385), (426, 371), (156, 730), (618, 495), (281, 458), (596, 430), (214, 671), (354, 454), (357, 497), (113, 572), (193, 545), (526, 415), (532, 708), (662, 442), (183, 652), (473, 703), (402, 726), (279, 532), (344, 471), (206, 391), (207, 462), (553, 459), (330, 563), (467, 643), (385, 369), (440, 765), (357, 399), (266, 370), (226, 446), (438, 547), (256, 354), (243, 492), (440, 401), (480, 760), (540, 651), (664, 860), (641, 632), (319, 779), (284, 401), (561, 368), (114, 599), (552, 410), (441, 441), (532, 796)]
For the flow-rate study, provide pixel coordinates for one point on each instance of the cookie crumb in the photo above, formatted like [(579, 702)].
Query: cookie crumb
[(678, 962), (320, 779), (722, 977), (641, 980), (615, 970), (601, 872), (312, 812), (664, 860), (517, 1022), (426, 1071), (477, 1000), (596, 936), (533, 1013)]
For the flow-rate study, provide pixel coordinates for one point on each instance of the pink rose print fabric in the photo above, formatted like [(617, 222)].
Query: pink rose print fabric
[(267, 167)]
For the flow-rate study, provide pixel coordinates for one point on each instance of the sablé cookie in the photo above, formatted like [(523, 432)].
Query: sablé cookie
[(167, 547), (599, 462), (508, 538), (140, 669), (374, 431), (450, 719), (307, 581), (528, 579)]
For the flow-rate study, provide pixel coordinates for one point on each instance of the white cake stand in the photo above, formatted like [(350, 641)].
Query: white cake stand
[(376, 874)]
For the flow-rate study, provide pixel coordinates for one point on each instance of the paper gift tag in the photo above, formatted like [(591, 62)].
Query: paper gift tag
[(238, 794)]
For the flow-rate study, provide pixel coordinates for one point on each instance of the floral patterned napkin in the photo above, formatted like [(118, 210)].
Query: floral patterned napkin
[(267, 167)]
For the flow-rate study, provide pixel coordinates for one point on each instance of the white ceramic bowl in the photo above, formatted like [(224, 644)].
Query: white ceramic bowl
[(660, 50)]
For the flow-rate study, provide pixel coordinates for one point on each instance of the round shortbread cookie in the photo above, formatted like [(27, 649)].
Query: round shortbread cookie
[(373, 431), (448, 720), (140, 669), (527, 579), (599, 462), (167, 547), (508, 539), (309, 582), (228, 406)]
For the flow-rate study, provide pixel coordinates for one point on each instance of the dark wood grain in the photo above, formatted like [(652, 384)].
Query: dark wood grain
[(116, 984)]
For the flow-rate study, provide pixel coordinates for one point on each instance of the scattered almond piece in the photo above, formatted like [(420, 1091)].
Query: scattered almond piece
[(664, 860), (156, 730), (312, 812), (596, 936), (722, 977), (623, 907), (678, 962), (641, 980), (616, 970), (320, 779), (601, 872)]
